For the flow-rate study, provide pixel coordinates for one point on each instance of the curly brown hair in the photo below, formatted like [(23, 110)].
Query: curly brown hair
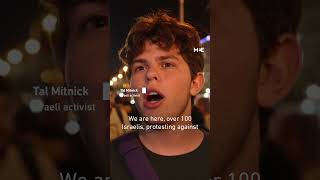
[(165, 31)]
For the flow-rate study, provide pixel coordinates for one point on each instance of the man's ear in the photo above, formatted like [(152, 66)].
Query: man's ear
[(279, 71), (197, 84)]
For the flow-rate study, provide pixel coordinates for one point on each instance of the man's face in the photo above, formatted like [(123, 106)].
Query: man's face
[(87, 65), (167, 78), (235, 76), (88, 44)]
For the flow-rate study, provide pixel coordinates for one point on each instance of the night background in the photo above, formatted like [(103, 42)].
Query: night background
[(21, 20)]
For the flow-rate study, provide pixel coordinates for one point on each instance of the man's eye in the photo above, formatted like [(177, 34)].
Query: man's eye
[(95, 22), (139, 68), (167, 65)]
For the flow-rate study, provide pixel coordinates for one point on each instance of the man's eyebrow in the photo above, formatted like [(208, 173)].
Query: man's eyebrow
[(167, 57), (160, 58), (139, 61)]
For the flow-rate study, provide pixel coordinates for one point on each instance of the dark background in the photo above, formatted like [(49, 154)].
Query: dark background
[(19, 19)]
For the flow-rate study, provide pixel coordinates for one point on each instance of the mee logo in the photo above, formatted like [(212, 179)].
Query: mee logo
[(198, 49)]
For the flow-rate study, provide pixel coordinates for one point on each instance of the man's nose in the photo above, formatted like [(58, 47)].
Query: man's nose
[(152, 74)]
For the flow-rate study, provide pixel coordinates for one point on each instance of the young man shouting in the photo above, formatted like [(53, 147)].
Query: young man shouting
[(159, 52)]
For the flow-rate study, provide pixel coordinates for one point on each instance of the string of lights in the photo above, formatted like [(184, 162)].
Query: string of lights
[(32, 46)]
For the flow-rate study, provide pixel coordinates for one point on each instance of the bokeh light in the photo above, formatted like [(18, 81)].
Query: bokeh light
[(120, 76), (14, 56), (125, 68), (313, 91), (72, 127), (4, 68), (308, 106), (114, 79), (49, 23), (36, 105), (32, 46)]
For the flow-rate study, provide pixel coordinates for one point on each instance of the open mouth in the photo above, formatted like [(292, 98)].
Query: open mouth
[(153, 99), (154, 96)]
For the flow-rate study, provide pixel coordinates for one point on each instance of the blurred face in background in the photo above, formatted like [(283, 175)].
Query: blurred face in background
[(87, 46), (243, 82), (87, 54), (235, 74)]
